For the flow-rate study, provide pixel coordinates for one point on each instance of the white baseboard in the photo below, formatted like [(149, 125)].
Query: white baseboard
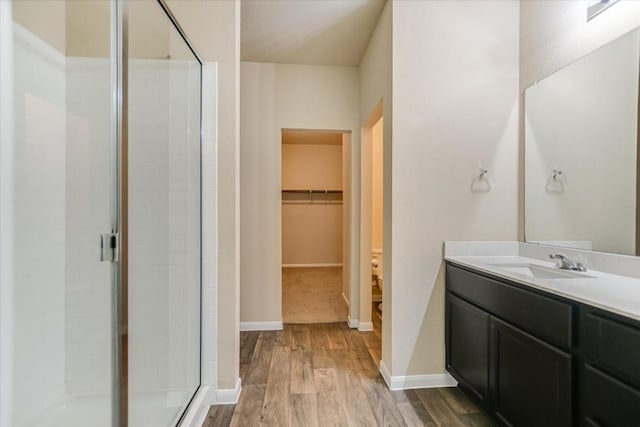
[(365, 326), (353, 323), (312, 265), (204, 398), (345, 299), (416, 381), (197, 412), (229, 396), (261, 326)]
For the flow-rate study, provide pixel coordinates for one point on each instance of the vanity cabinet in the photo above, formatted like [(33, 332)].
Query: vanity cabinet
[(509, 348), (530, 379), (611, 369), (467, 331), (531, 358)]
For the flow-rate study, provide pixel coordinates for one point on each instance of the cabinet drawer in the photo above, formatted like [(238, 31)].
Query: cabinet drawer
[(544, 317), (612, 346), (608, 402)]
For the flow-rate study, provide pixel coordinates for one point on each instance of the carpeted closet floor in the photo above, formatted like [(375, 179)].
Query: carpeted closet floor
[(313, 295)]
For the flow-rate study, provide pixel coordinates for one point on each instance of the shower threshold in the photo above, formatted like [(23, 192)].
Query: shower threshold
[(81, 410)]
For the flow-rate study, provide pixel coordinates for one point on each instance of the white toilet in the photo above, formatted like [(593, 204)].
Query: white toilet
[(376, 274)]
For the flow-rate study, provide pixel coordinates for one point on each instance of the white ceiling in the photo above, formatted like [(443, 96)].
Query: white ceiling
[(314, 32)]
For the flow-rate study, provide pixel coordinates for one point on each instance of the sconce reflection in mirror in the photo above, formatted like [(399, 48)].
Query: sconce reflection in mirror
[(596, 7), (557, 182), (483, 182)]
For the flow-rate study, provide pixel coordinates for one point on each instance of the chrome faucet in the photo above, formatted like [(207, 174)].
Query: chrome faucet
[(565, 263)]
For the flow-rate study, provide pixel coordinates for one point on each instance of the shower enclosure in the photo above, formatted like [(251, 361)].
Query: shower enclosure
[(100, 214)]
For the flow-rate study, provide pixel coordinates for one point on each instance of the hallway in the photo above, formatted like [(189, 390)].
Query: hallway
[(324, 374)]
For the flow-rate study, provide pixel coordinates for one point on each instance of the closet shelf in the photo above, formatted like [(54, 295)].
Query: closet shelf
[(312, 196)]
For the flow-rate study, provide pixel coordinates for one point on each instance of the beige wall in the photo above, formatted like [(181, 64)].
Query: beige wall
[(47, 20), (375, 88), (214, 29), (260, 183), (276, 97), (311, 232), (311, 166), (455, 107), (376, 185), (83, 28)]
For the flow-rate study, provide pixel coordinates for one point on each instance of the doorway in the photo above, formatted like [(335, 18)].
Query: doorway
[(314, 172), (372, 287)]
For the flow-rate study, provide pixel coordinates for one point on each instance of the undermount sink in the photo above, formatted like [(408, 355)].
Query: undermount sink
[(539, 271)]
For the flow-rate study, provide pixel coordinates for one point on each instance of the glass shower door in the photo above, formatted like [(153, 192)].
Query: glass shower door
[(164, 218), (84, 339), (57, 141)]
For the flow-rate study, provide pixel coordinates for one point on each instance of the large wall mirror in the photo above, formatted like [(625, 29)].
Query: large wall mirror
[(581, 152)]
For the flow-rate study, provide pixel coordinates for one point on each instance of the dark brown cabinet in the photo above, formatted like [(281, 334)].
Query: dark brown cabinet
[(607, 400), (513, 372), (530, 380), (542, 316), (531, 358), (611, 370), (468, 346)]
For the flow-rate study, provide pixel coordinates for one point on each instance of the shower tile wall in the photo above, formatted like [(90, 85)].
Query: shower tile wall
[(88, 286), (148, 223), (209, 208), (184, 218), (63, 176), (163, 244), (39, 229)]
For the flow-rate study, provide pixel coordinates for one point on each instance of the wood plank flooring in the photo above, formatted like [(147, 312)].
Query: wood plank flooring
[(325, 375)]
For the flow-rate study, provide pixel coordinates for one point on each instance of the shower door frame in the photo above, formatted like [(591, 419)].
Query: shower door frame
[(120, 214)]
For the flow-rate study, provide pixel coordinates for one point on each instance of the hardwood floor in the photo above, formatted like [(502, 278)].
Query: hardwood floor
[(325, 374)]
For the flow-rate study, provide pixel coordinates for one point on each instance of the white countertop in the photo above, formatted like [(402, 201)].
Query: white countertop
[(615, 293)]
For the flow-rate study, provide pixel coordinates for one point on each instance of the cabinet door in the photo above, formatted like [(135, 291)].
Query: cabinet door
[(467, 341), (608, 401), (530, 380)]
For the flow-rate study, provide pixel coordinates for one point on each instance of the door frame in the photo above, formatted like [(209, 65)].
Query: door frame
[(364, 287)]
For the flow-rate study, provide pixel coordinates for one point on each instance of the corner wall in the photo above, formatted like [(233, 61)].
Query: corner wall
[(455, 109), (375, 86)]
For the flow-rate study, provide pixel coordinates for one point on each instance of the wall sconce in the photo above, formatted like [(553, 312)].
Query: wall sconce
[(596, 7)]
